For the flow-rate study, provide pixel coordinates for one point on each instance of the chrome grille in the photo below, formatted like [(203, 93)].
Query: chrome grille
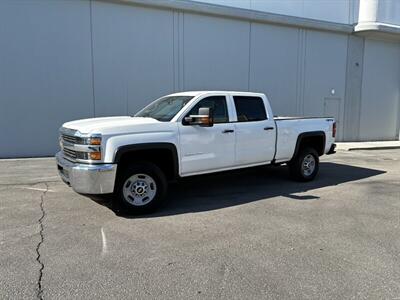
[(69, 153), (69, 138), (75, 146)]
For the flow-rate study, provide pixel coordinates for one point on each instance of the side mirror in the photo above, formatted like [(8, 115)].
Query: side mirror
[(203, 119)]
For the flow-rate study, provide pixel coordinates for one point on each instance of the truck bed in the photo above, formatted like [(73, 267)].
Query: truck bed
[(290, 128), (282, 118)]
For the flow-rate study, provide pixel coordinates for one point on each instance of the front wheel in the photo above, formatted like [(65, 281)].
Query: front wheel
[(141, 188), (305, 165)]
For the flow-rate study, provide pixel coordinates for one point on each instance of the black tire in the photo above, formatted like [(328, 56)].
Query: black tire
[(125, 204), (296, 169)]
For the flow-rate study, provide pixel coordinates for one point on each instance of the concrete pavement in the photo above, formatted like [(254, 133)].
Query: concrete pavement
[(248, 234)]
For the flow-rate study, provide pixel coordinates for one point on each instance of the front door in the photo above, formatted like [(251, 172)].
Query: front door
[(205, 149)]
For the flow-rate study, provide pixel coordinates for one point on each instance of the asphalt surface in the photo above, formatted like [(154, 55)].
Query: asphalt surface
[(252, 234)]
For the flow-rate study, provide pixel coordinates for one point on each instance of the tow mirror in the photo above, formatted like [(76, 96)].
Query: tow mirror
[(203, 119)]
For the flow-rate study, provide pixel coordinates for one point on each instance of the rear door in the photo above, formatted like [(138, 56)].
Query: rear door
[(255, 131), (205, 149)]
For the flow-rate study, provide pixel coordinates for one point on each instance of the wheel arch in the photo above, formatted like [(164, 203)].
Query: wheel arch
[(164, 155), (314, 139)]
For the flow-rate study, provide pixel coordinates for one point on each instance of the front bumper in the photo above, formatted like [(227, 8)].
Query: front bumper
[(85, 178)]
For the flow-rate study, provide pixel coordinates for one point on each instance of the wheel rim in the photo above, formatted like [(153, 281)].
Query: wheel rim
[(139, 189), (308, 165)]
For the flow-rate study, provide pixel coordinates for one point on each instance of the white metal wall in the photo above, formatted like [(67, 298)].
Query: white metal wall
[(380, 111), (64, 60), (215, 53), (132, 57), (275, 65), (45, 72)]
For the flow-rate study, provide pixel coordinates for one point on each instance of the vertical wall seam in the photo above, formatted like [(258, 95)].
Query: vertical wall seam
[(346, 102), (398, 108), (179, 50), (304, 70), (349, 19), (176, 51), (301, 71), (353, 88), (298, 90), (127, 96), (183, 50), (249, 66), (173, 50), (179, 58), (298, 70), (92, 55), (348, 11), (359, 106)]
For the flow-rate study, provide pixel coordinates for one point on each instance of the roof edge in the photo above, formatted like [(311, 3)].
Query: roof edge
[(378, 30), (241, 13)]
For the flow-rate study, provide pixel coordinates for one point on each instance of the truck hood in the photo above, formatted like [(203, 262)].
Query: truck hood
[(105, 125)]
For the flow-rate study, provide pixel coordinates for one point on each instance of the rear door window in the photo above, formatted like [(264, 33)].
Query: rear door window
[(249, 109)]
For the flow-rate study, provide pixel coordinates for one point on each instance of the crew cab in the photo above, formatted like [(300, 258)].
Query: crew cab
[(186, 134)]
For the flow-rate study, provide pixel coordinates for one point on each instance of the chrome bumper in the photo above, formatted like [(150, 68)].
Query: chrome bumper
[(85, 178)]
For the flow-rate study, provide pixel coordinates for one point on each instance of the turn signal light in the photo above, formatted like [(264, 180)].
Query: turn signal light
[(95, 155)]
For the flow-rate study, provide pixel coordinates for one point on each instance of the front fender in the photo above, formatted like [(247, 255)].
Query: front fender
[(139, 140)]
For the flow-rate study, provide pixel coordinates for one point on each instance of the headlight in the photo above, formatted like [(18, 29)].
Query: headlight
[(92, 140), (81, 147)]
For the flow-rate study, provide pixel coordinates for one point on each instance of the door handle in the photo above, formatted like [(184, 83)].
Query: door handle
[(268, 128), (228, 131)]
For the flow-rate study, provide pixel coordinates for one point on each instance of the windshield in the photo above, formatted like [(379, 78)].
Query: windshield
[(164, 109)]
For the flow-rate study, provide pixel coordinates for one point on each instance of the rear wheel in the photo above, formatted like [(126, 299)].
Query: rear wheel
[(141, 188), (305, 165)]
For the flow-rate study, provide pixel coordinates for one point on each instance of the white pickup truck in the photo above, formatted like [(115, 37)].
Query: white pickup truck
[(186, 134)]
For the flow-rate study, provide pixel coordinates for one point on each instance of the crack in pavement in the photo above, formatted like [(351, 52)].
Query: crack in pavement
[(41, 233)]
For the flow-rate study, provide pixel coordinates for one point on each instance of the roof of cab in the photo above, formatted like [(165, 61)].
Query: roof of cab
[(198, 93)]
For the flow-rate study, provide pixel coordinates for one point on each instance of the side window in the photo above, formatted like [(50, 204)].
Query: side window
[(218, 106), (249, 108)]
